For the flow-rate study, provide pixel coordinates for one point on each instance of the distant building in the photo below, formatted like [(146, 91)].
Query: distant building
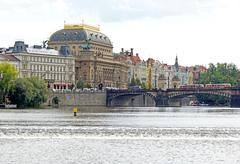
[(58, 69), (94, 60), (196, 71), (163, 78), (11, 59), (136, 67), (150, 73), (141, 71)]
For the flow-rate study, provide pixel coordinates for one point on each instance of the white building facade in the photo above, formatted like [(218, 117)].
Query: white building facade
[(57, 69)]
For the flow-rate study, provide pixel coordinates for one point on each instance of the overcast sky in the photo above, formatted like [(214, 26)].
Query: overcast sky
[(198, 31)]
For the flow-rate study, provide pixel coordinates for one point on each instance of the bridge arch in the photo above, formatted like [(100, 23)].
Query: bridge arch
[(127, 98), (55, 101), (162, 97), (178, 97), (172, 95)]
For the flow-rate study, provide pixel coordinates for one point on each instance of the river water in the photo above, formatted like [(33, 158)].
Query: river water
[(183, 135)]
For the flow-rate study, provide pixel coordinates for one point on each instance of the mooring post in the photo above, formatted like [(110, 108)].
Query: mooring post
[(75, 110)]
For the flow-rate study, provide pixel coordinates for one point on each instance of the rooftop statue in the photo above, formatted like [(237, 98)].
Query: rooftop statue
[(86, 45), (45, 43)]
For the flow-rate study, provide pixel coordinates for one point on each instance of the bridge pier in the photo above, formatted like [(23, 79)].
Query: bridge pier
[(235, 101), (129, 100), (162, 101)]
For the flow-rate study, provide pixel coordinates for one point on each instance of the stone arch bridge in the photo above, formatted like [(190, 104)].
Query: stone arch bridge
[(161, 98)]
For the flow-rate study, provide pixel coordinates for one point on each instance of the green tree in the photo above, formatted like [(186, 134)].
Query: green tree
[(39, 91), (138, 82), (213, 99), (143, 86), (133, 81), (80, 84), (29, 92), (8, 73), (217, 74), (21, 93), (221, 73)]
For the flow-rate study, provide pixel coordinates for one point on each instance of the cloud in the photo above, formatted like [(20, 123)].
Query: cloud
[(124, 10), (99, 11), (31, 20), (210, 36), (200, 31), (33, 10)]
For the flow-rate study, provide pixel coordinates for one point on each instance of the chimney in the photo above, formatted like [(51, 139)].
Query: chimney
[(137, 54), (122, 50), (131, 51)]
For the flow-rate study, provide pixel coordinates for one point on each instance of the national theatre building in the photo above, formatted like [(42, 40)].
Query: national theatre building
[(93, 52)]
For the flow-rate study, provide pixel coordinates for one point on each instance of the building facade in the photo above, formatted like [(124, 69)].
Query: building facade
[(11, 59), (55, 68), (136, 66), (94, 60)]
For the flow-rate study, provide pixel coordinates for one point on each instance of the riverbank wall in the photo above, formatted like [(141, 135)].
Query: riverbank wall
[(60, 99)]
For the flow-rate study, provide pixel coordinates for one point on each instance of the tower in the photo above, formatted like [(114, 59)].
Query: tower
[(176, 64)]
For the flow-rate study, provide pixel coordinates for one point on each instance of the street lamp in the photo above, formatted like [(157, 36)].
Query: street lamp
[(118, 85), (155, 80), (168, 79), (95, 70)]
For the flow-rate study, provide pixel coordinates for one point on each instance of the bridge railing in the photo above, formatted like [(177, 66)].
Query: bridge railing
[(129, 90), (200, 89)]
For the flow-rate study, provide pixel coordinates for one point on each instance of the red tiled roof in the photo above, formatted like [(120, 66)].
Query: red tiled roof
[(9, 57), (135, 59), (125, 57)]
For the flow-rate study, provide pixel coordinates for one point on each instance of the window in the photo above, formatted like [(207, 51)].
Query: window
[(24, 66)]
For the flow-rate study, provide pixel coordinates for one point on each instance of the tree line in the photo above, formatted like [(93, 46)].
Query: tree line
[(218, 74), (33, 91), (24, 92)]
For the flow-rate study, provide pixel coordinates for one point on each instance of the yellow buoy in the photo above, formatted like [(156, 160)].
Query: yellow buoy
[(75, 110)]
